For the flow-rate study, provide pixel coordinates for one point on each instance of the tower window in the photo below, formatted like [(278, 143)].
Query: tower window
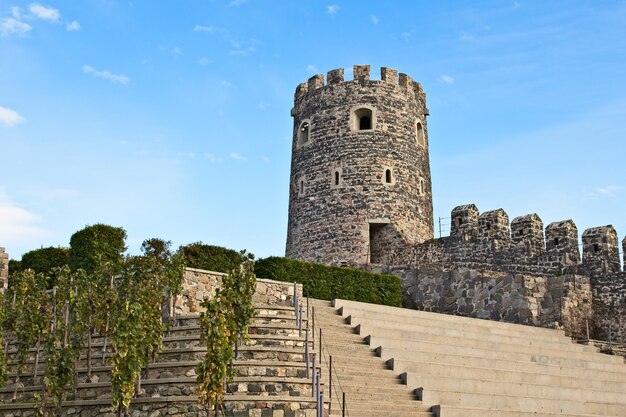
[(301, 188), (596, 247), (388, 176), (363, 118), (421, 186), (336, 177), (303, 133), (556, 241), (419, 132)]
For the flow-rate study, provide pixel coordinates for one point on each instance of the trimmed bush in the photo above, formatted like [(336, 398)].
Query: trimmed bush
[(44, 259), (211, 258), (330, 282), (95, 245)]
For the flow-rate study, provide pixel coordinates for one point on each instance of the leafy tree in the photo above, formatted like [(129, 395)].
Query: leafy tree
[(211, 258), (15, 266), (95, 245)]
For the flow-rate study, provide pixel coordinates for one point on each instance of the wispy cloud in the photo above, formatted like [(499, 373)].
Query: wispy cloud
[(237, 3), (374, 19), (464, 36), (176, 52), (73, 26), (266, 159), (107, 75), (45, 13), (210, 29), (262, 106), (239, 47), (406, 35), (446, 79), (311, 68), (238, 157), (607, 191), (210, 157), (10, 26), (9, 117), (204, 61), (16, 223), (332, 9)]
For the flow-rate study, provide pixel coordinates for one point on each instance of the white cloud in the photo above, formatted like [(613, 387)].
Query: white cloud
[(466, 36), (16, 12), (10, 26), (73, 25), (45, 13), (311, 68), (262, 106), (374, 19), (608, 191), (238, 157), (266, 160), (204, 61), (176, 51), (107, 75), (210, 29), (227, 84), (237, 3), (9, 117), (446, 79), (16, 223), (332, 9), (210, 157)]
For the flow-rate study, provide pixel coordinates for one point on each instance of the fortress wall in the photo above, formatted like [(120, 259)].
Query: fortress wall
[(609, 307), (562, 302), (4, 270)]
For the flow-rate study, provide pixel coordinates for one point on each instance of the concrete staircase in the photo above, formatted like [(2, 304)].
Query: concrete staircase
[(478, 368), (371, 388), (270, 375)]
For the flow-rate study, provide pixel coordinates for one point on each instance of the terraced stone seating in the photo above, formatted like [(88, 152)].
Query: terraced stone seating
[(479, 368), (270, 375)]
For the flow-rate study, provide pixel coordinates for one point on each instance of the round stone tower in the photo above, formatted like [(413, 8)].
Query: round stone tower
[(360, 174)]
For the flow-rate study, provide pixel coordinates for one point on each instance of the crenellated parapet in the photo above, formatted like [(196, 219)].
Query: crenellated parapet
[(527, 232), (335, 82), (562, 242), (601, 250), (4, 270), (464, 223), (493, 226)]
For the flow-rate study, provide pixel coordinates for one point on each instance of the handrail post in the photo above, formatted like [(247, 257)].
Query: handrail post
[(330, 382), (300, 323), (313, 334), (321, 404), (306, 351), (314, 372), (319, 394), (320, 342), (343, 405)]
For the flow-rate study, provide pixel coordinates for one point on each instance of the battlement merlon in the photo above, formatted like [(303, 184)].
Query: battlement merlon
[(361, 74), (4, 270), (601, 250)]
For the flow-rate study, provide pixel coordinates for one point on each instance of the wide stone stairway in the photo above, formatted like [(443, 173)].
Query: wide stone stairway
[(470, 367)]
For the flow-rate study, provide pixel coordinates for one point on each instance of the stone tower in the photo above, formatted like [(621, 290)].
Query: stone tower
[(360, 173)]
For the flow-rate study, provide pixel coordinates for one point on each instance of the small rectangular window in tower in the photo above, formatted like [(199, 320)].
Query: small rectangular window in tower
[(556, 241), (388, 176), (301, 188), (336, 177)]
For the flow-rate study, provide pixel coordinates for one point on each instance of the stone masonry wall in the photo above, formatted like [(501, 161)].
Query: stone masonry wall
[(341, 198), (562, 302), (4, 270), (609, 307), (199, 285)]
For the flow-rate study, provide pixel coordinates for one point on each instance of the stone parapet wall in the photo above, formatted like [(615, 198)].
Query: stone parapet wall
[(609, 307), (4, 270), (199, 284), (562, 302)]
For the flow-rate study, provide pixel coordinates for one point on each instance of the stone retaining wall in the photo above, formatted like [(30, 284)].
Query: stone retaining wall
[(199, 284), (609, 307)]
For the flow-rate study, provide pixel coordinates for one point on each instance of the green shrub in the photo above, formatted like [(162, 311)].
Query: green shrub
[(44, 259), (15, 266), (95, 245), (330, 282), (211, 258)]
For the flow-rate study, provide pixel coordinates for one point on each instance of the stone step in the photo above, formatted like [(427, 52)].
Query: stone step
[(533, 363), (460, 411), (517, 402), (415, 315), (493, 343), (487, 385), (435, 320), (234, 406)]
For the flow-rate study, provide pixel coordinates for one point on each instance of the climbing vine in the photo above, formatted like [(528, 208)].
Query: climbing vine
[(225, 318)]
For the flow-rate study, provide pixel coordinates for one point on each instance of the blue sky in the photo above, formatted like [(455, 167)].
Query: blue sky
[(171, 119)]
